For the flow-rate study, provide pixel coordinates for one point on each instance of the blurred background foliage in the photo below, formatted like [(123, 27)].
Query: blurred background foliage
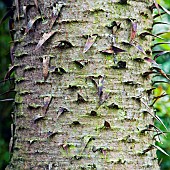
[(5, 107), (161, 27)]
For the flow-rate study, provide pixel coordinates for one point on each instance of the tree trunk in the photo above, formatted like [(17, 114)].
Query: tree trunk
[(82, 98)]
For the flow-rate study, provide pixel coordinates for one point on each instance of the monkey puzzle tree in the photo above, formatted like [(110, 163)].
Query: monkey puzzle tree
[(82, 85)]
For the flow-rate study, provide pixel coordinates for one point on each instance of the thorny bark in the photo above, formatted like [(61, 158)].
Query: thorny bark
[(79, 108)]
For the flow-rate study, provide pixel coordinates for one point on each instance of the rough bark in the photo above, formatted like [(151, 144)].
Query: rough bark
[(76, 110)]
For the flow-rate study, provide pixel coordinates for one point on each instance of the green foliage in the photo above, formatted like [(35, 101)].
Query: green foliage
[(164, 3), (162, 105), (163, 111), (5, 107)]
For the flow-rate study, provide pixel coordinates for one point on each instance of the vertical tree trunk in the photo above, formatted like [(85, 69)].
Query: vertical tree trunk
[(82, 106)]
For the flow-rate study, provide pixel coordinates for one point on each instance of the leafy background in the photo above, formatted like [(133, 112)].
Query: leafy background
[(161, 27), (5, 107)]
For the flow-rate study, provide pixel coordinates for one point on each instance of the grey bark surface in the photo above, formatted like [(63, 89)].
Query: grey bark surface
[(76, 110)]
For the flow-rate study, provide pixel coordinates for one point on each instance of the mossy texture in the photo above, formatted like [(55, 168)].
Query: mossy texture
[(94, 117)]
